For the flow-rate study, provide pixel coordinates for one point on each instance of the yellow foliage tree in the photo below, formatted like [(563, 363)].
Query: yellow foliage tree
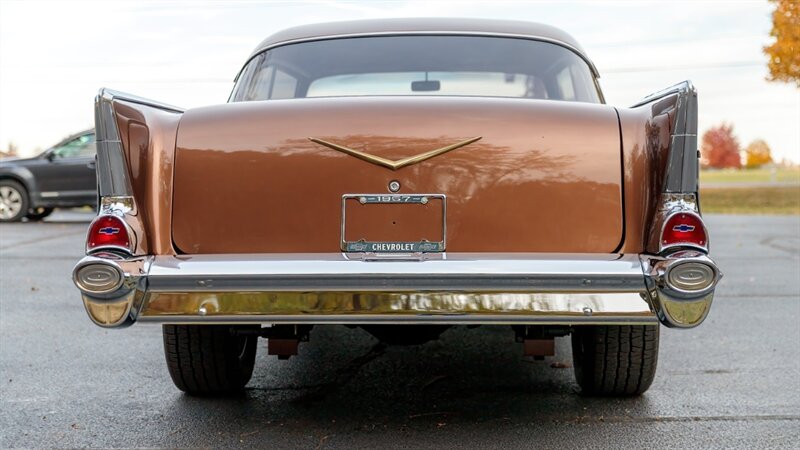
[(784, 53), (758, 154)]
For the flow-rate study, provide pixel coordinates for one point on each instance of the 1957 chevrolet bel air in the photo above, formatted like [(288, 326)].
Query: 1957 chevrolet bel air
[(403, 176)]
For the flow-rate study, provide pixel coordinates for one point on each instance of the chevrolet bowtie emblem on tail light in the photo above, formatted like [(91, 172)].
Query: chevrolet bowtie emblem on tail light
[(108, 230), (683, 228), (392, 164)]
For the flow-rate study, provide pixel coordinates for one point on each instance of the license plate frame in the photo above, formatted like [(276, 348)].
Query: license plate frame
[(364, 246)]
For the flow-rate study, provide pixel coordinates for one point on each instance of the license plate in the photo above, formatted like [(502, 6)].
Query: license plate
[(378, 223)]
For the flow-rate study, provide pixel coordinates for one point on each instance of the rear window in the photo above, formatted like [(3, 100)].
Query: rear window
[(418, 65)]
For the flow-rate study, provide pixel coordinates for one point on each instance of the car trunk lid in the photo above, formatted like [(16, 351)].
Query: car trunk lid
[(523, 176)]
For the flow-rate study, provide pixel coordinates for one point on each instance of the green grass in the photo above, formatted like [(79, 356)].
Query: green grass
[(781, 175), (755, 200)]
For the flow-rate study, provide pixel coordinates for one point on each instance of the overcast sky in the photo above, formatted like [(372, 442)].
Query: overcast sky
[(54, 56)]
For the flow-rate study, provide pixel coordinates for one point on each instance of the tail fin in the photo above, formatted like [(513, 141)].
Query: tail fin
[(135, 148)]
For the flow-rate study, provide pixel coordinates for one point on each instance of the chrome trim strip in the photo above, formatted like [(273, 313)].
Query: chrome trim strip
[(683, 162), (462, 272), (682, 201), (117, 205), (407, 320), (111, 95), (112, 169)]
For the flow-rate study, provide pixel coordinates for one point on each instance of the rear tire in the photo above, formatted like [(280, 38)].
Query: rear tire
[(615, 360), (36, 214), (209, 359), (13, 201)]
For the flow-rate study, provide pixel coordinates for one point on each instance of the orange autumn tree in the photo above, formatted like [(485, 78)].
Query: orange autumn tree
[(784, 53), (757, 154), (720, 148)]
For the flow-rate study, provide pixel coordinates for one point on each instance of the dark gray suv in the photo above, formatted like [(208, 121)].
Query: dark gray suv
[(62, 176)]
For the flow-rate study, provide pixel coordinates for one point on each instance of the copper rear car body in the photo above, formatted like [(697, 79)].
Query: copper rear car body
[(237, 215)]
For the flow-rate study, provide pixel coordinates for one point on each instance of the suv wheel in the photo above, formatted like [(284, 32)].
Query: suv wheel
[(13, 201), (615, 360), (209, 359), (36, 214)]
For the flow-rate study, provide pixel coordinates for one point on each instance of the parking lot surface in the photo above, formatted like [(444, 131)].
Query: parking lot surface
[(734, 382)]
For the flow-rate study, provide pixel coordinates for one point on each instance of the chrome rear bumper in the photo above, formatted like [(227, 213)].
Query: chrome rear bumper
[(434, 288)]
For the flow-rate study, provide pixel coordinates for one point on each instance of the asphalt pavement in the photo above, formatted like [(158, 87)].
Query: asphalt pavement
[(734, 382)]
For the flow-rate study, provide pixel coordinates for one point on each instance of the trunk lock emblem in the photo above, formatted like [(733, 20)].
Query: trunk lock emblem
[(394, 186)]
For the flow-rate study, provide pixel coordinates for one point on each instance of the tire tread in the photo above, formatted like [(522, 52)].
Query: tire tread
[(615, 360), (205, 359)]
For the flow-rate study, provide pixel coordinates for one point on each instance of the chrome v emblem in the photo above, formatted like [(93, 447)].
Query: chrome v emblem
[(392, 164)]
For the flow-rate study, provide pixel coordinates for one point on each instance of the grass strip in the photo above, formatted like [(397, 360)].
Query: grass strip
[(755, 200)]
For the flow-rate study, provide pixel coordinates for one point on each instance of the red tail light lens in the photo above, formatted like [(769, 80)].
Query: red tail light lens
[(108, 231), (684, 229)]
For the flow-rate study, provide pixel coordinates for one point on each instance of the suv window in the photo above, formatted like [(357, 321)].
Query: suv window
[(418, 65), (81, 147)]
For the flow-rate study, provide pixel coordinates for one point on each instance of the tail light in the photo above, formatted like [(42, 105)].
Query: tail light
[(108, 232), (684, 229)]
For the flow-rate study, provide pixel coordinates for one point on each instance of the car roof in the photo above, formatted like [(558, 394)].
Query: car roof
[(72, 136), (515, 28)]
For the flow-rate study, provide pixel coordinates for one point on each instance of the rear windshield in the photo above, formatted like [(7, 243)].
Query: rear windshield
[(418, 65)]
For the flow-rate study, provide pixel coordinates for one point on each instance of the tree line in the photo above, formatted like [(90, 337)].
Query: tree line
[(720, 149)]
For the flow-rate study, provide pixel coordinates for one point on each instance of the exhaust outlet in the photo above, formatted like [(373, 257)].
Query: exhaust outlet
[(681, 287), (690, 277), (98, 278)]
